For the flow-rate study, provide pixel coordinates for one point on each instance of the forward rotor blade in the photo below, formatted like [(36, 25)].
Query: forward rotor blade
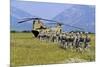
[(50, 23), (26, 19), (48, 20)]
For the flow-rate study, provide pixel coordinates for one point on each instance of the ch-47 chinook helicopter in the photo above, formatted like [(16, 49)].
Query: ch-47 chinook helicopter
[(38, 25)]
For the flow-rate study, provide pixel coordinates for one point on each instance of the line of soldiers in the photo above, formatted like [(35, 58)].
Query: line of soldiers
[(74, 40)]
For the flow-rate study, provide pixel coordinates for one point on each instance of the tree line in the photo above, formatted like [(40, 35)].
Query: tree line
[(27, 31)]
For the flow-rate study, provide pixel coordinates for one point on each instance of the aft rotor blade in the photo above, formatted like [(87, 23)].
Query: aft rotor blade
[(74, 27)]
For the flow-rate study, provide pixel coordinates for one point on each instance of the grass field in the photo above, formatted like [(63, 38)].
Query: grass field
[(26, 50)]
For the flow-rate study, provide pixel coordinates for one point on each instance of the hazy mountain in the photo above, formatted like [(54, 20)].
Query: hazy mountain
[(16, 16), (79, 16)]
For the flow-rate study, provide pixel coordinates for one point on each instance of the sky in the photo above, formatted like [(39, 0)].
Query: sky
[(55, 11), (45, 10)]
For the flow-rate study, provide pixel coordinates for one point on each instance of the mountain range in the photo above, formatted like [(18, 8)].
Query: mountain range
[(82, 16)]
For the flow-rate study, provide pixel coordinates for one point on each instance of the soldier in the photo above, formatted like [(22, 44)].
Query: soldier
[(53, 37), (87, 40), (77, 38), (58, 29), (63, 40), (60, 38), (72, 39), (47, 32), (67, 37), (81, 41), (41, 35)]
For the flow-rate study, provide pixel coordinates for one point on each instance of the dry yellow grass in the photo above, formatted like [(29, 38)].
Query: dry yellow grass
[(26, 50)]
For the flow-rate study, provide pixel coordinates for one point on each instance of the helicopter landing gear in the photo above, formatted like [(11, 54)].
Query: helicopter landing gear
[(35, 33)]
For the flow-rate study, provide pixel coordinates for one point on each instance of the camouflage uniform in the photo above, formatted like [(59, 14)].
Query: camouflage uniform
[(87, 41)]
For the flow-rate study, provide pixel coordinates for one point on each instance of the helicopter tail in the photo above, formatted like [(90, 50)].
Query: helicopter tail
[(35, 33)]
